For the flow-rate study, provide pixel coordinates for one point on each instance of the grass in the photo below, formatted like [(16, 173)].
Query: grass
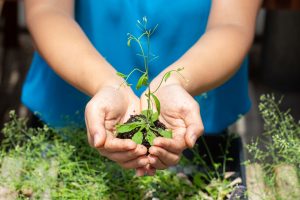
[(83, 174), (281, 146)]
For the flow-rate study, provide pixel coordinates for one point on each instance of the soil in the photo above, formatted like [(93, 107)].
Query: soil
[(130, 134)]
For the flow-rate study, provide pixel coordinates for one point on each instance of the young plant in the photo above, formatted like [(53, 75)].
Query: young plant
[(145, 127)]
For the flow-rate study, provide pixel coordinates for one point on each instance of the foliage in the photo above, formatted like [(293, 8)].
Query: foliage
[(83, 174), (145, 123), (213, 178), (282, 140)]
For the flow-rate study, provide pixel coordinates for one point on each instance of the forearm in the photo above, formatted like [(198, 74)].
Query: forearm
[(64, 46), (217, 55), (213, 59)]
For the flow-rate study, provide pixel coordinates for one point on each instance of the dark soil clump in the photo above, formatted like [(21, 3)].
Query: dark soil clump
[(129, 135)]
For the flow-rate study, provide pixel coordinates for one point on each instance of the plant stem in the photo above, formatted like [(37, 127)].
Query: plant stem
[(146, 67), (210, 156), (163, 78)]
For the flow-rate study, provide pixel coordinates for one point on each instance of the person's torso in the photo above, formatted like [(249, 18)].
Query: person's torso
[(106, 23)]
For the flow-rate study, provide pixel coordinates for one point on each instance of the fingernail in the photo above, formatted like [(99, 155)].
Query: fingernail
[(97, 140)]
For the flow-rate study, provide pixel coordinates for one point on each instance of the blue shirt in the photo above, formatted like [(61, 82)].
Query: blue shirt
[(106, 23)]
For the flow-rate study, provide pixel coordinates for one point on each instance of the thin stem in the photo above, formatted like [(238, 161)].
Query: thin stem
[(164, 78), (225, 154), (146, 66), (127, 77), (142, 50), (209, 156)]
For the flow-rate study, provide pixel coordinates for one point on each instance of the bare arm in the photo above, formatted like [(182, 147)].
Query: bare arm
[(68, 51), (217, 55), (62, 43)]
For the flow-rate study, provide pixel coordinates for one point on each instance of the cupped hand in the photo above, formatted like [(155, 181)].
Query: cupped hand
[(107, 108), (181, 114)]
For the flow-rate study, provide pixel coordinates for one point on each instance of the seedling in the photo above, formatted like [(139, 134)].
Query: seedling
[(145, 127)]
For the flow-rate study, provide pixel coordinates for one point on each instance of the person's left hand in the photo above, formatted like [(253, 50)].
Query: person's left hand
[(181, 114)]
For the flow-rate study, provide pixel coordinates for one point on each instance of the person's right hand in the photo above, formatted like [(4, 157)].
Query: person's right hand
[(107, 108)]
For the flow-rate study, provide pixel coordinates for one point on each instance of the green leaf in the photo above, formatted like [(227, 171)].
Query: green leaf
[(124, 128), (180, 69), (167, 76), (138, 137), (154, 117), (150, 137), (157, 103), (165, 133), (121, 75), (144, 112), (142, 81), (199, 180), (129, 41), (217, 165)]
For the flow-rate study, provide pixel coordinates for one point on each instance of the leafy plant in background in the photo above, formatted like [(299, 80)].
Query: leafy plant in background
[(65, 167), (145, 127), (280, 148), (212, 178)]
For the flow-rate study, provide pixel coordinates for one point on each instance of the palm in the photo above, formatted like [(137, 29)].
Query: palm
[(107, 108), (180, 113), (117, 106), (176, 107)]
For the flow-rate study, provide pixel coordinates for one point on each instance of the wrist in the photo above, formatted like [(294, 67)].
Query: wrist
[(107, 77), (176, 77)]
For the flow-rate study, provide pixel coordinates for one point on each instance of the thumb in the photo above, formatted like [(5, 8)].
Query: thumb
[(194, 127), (94, 119)]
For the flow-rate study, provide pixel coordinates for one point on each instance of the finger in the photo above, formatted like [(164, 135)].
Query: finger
[(126, 155), (140, 171), (175, 145), (194, 131), (156, 163), (113, 144), (135, 163), (167, 158), (150, 171), (110, 124), (194, 126), (94, 120)]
